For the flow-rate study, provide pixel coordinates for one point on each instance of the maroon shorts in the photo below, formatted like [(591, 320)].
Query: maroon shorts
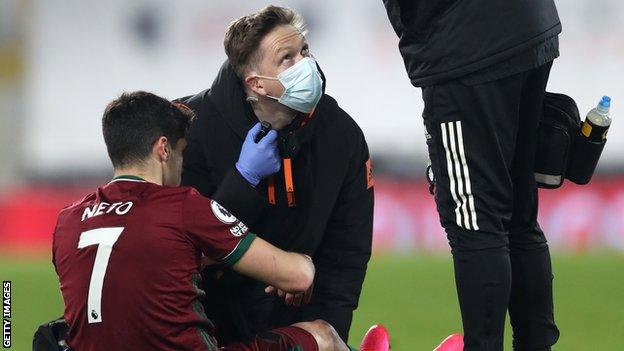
[(281, 339)]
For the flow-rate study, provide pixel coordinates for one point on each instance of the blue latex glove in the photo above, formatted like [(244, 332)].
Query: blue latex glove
[(257, 161)]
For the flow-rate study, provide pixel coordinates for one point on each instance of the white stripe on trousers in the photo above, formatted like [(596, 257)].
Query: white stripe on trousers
[(465, 212), (449, 167), (462, 154)]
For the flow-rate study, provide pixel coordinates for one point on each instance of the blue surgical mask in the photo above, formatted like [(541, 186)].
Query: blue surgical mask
[(303, 86)]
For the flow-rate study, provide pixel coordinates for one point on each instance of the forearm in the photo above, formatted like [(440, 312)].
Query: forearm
[(287, 271), (240, 198), (297, 273)]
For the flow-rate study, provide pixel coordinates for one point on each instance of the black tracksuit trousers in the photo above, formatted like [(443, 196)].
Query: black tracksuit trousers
[(482, 143)]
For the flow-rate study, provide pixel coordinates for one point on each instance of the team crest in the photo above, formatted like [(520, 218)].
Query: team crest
[(221, 213)]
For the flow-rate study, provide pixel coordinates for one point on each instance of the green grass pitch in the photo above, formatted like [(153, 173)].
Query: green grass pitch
[(414, 296)]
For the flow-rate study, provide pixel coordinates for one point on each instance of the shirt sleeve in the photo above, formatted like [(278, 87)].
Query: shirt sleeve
[(215, 231)]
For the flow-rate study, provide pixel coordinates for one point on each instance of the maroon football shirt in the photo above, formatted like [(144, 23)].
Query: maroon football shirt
[(128, 259)]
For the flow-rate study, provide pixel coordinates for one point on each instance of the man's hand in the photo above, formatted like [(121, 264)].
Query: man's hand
[(292, 299), (256, 161)]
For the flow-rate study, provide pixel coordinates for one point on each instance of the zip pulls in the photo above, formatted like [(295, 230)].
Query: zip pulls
[(289, 184), (271, 189), (289, 146)]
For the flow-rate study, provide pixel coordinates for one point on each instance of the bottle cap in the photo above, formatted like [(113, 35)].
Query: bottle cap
[(605, 102)]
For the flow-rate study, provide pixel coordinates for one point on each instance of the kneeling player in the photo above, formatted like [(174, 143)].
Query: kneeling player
[(128, 254)]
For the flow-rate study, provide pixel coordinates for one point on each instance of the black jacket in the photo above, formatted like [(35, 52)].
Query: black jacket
[(445, 39), (332, 219)]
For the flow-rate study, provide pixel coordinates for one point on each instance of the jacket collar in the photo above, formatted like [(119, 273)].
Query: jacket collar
[(228, 97)]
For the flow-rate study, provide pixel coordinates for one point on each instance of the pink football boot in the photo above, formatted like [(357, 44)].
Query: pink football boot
[(376, 339), (454, 342)]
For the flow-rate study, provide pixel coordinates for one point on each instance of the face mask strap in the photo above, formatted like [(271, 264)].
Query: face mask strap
[(265, 77), (295, 65), (269, 78)]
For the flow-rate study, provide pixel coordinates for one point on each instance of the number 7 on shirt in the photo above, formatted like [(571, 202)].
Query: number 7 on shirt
[(105, 238)]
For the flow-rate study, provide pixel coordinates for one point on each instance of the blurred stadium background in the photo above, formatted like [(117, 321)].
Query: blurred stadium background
[(61, 61)]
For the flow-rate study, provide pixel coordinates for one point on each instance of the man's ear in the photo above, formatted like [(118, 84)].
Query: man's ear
[(162, 149), (253, 82)]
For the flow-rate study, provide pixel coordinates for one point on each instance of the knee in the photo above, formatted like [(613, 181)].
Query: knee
[(477, 245), (527, 242), (462, 240), (325, 335)]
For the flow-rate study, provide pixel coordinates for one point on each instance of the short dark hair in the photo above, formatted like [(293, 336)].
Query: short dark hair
[(133, 122), (244, 34)]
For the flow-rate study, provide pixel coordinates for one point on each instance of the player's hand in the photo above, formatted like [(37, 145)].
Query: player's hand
[(256, 161), (292, 299)]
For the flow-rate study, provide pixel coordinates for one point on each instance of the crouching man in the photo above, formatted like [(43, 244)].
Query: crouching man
[(128, 255)]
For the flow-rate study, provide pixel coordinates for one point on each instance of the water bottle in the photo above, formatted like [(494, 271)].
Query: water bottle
[(589, 143), (597, 122)]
